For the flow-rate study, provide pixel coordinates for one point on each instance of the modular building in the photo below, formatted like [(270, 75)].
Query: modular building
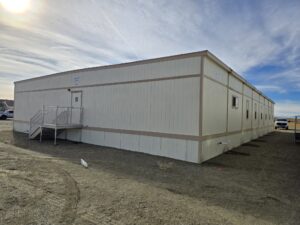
[(190, 107)]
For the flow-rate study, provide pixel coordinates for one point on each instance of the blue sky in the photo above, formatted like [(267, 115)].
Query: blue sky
[(258, 39)]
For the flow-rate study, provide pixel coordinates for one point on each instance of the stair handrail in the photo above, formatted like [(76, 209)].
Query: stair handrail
[(54, 115), (62, 115), (36, 121)]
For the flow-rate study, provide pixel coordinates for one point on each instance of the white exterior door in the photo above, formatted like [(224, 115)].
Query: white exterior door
[(76, 103)]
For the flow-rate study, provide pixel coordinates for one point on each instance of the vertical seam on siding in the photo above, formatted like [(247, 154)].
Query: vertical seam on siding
[(14, 106), (201, 87), (252, 107), (227, 113), (242, 119)]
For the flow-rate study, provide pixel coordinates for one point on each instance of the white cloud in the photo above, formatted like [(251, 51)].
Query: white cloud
[(287, 108), (290, 77), (6, 88), (271, 88), (61, 35)]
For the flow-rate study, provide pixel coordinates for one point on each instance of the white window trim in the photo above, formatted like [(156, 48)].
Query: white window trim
[(237, 102)]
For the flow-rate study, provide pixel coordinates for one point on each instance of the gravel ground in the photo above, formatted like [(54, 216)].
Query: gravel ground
[(257, 183)]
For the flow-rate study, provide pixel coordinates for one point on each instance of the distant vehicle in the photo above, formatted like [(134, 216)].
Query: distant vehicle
[(3, 116), (6, 114), (9, 113), (281, 123)]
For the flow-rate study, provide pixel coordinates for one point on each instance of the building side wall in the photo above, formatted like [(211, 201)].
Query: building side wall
[(247, 119), (215, 72), (159, 116), (186, 150), (167, 106), (214, 108), (255, 113), (234, 113), (240, 126), (28, 103)]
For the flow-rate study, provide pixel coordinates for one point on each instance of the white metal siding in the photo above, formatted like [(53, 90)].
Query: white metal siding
[(186, 150), (212, 70), (247, 121), (178, 67), (168, 106), (214, 108), (234, 114), (255, 121), (27, 104), (235, 84), (255, 96), (247, 91)]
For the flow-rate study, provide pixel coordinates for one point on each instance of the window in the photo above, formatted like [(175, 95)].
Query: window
[(260, 115), (255, 112), (247, 109), (235, 102), (76, 99)]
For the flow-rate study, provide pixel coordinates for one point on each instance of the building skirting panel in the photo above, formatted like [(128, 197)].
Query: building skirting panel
[(216, 146), (195, 151), (186, 150)]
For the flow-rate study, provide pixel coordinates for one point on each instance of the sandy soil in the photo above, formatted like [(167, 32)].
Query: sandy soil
[(292, 126), (257, 183)]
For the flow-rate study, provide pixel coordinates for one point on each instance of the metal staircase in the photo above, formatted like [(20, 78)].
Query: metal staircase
[(35, 124), (55, 118)]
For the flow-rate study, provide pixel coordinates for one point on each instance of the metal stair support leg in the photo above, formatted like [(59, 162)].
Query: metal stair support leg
[(41, 134), (55, 134)]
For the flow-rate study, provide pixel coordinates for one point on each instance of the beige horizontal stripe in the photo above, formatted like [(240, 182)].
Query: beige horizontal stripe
[(164, 135), (212, 136), (207, 137), (145, 133), (169, 135), (114, 83)]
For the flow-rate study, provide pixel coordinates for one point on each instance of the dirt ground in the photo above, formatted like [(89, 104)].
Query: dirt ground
[(41, 184), (292, 125)]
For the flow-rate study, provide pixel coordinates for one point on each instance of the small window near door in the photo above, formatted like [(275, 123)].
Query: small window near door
[(76, 99), (235, 102)]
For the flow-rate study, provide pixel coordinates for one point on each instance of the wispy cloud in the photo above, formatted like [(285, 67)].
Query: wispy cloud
[(271, 88), (287, 108), (59, 35)]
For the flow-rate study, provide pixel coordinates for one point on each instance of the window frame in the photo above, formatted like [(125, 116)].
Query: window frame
[(235, 99)]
